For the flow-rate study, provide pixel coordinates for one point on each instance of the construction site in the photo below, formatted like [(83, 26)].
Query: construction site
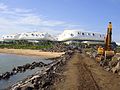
[(59, 45), (91, 67)]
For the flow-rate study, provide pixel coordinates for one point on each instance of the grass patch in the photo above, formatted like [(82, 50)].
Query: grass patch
[(27, 46)]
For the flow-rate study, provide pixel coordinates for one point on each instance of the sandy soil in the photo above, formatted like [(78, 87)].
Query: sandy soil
[(32, 52), (83, 73)]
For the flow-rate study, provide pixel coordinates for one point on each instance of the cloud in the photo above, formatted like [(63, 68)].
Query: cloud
[(29, 20), (16, 20), (19, 10), (3, 7)]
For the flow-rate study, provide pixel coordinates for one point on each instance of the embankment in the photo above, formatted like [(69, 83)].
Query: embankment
[(44, 78)]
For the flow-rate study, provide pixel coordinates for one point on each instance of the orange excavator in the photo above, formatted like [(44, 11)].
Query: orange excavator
[(106, 52)]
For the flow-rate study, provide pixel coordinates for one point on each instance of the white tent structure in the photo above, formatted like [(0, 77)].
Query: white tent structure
[(34, 36), (9, 37), (1, 40), (69, 35), (29, 36)]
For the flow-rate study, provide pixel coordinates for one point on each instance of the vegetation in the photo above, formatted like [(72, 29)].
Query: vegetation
[(118, 49), (26, 45)]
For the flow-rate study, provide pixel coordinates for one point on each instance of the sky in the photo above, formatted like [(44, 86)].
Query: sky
[(54, 16)]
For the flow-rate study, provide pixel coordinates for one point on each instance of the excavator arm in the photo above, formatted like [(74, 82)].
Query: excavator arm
[(108, 38), (106, 52)]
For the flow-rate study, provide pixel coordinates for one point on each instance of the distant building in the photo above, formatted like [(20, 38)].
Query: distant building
[(1, 40), (9, 37), (70, 35), (29, 36)]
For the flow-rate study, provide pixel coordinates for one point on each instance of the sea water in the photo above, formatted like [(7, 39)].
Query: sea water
[(9, 61)]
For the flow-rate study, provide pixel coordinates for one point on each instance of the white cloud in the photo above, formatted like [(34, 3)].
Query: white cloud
[(3, 7), (19, 10), (53, 23), (15, 20), (29, 20)]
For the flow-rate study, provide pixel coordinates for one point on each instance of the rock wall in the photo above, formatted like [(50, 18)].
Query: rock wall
[(44, 78), (20, 69)]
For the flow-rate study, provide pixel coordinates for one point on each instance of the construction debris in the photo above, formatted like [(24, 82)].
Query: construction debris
[(109, 65)]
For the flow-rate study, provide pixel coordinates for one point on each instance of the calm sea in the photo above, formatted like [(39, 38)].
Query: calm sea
[(9, 61)]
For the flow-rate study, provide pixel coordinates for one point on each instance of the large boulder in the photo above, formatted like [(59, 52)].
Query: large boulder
[(116, 68)]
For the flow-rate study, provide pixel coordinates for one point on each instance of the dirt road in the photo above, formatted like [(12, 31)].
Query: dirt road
[(83, 73)]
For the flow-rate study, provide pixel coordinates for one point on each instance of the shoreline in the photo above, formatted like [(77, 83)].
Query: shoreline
[(46, 77), (28, 52)]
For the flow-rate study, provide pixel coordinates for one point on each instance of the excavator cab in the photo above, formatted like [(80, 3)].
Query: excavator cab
[(100, 54), (100, 50)]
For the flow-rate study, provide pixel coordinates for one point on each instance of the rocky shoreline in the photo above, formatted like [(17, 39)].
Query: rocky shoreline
[(44, 78), (20, 69)]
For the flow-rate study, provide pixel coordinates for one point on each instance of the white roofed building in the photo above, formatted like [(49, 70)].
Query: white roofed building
[(29, 36), (9, 37), (68, 35), (1, 40)]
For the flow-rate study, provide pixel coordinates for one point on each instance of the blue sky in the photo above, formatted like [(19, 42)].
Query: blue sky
[(54, 16)]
